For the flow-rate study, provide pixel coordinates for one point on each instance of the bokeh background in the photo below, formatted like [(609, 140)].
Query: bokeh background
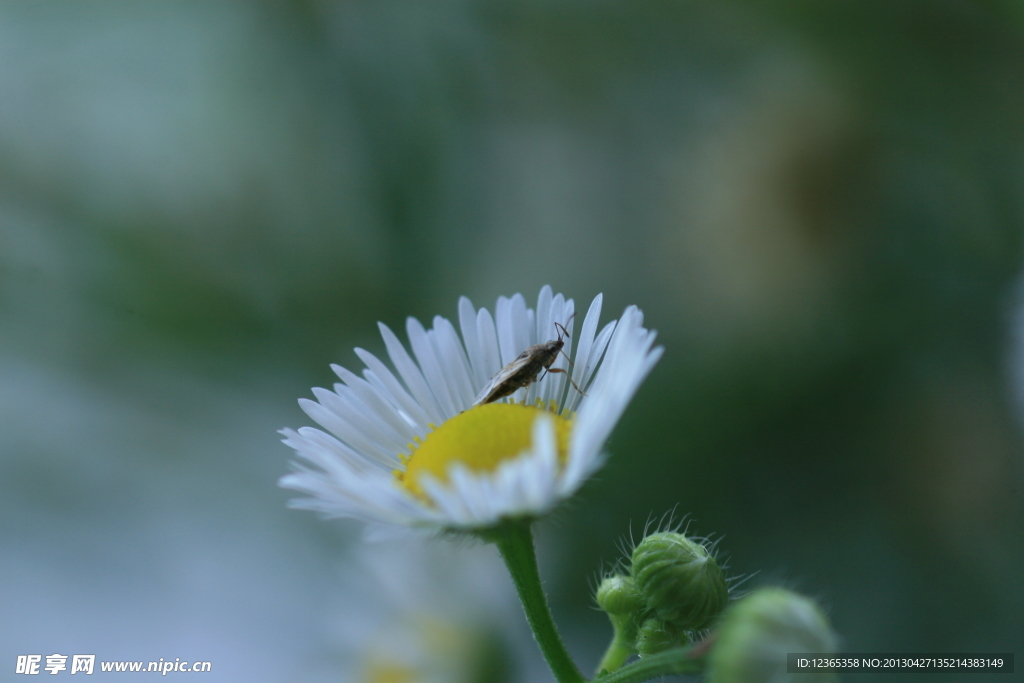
[(202, 205)]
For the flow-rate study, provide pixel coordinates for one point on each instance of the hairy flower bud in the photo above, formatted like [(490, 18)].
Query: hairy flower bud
[(680, 581), (757, 632), (619, 595)]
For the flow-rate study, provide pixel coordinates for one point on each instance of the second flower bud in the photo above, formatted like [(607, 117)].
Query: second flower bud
[(680, 580)]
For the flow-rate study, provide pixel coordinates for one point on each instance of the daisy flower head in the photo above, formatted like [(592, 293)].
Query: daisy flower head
[(418, 446)]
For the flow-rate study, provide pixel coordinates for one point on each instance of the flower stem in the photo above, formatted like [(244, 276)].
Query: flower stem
[(616, 655), (680, 660), (515, 543)]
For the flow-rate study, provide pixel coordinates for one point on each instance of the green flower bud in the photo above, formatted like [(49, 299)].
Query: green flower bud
[(656, 636), (619, 595), (757, 632), (680, 580)]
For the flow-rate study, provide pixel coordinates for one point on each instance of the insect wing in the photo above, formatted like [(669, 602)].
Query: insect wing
[(486, 395)]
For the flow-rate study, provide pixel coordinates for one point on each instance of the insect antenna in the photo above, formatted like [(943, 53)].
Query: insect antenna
[(562, 327)]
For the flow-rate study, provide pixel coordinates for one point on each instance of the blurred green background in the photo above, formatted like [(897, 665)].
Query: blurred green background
[(202, 205)]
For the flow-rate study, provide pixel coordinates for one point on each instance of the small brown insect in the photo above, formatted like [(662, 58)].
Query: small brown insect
[(524, 369)]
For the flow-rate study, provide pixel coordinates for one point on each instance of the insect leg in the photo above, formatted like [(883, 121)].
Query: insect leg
[(568, 377)]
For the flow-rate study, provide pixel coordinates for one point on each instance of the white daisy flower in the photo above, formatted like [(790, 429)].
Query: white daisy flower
[(418, 611), (411, 448)]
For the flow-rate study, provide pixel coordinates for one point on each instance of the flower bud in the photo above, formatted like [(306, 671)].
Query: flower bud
[(656, 636), (757, 632), (618, 595), (680, 580)]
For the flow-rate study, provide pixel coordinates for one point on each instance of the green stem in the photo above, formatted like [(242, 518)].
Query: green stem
[(680, 660), (515, 543), (616, 655)]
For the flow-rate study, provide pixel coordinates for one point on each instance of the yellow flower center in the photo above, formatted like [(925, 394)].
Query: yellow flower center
[(387, 672), (480, 438)]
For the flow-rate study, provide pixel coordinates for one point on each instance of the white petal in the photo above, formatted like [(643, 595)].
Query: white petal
[(471, 338), (327, 453), (629, 358), (411, 375), (344, 402), (346, 433), (509, 341), (431, 367), (376, 401), (506, 340), (597, 353), (521, 327), (489, 349), (584, 347), (556, 388), (543, 313), (395, 392), (452, 354)]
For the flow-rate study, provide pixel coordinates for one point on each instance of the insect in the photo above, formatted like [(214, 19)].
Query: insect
[(524, 369)]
